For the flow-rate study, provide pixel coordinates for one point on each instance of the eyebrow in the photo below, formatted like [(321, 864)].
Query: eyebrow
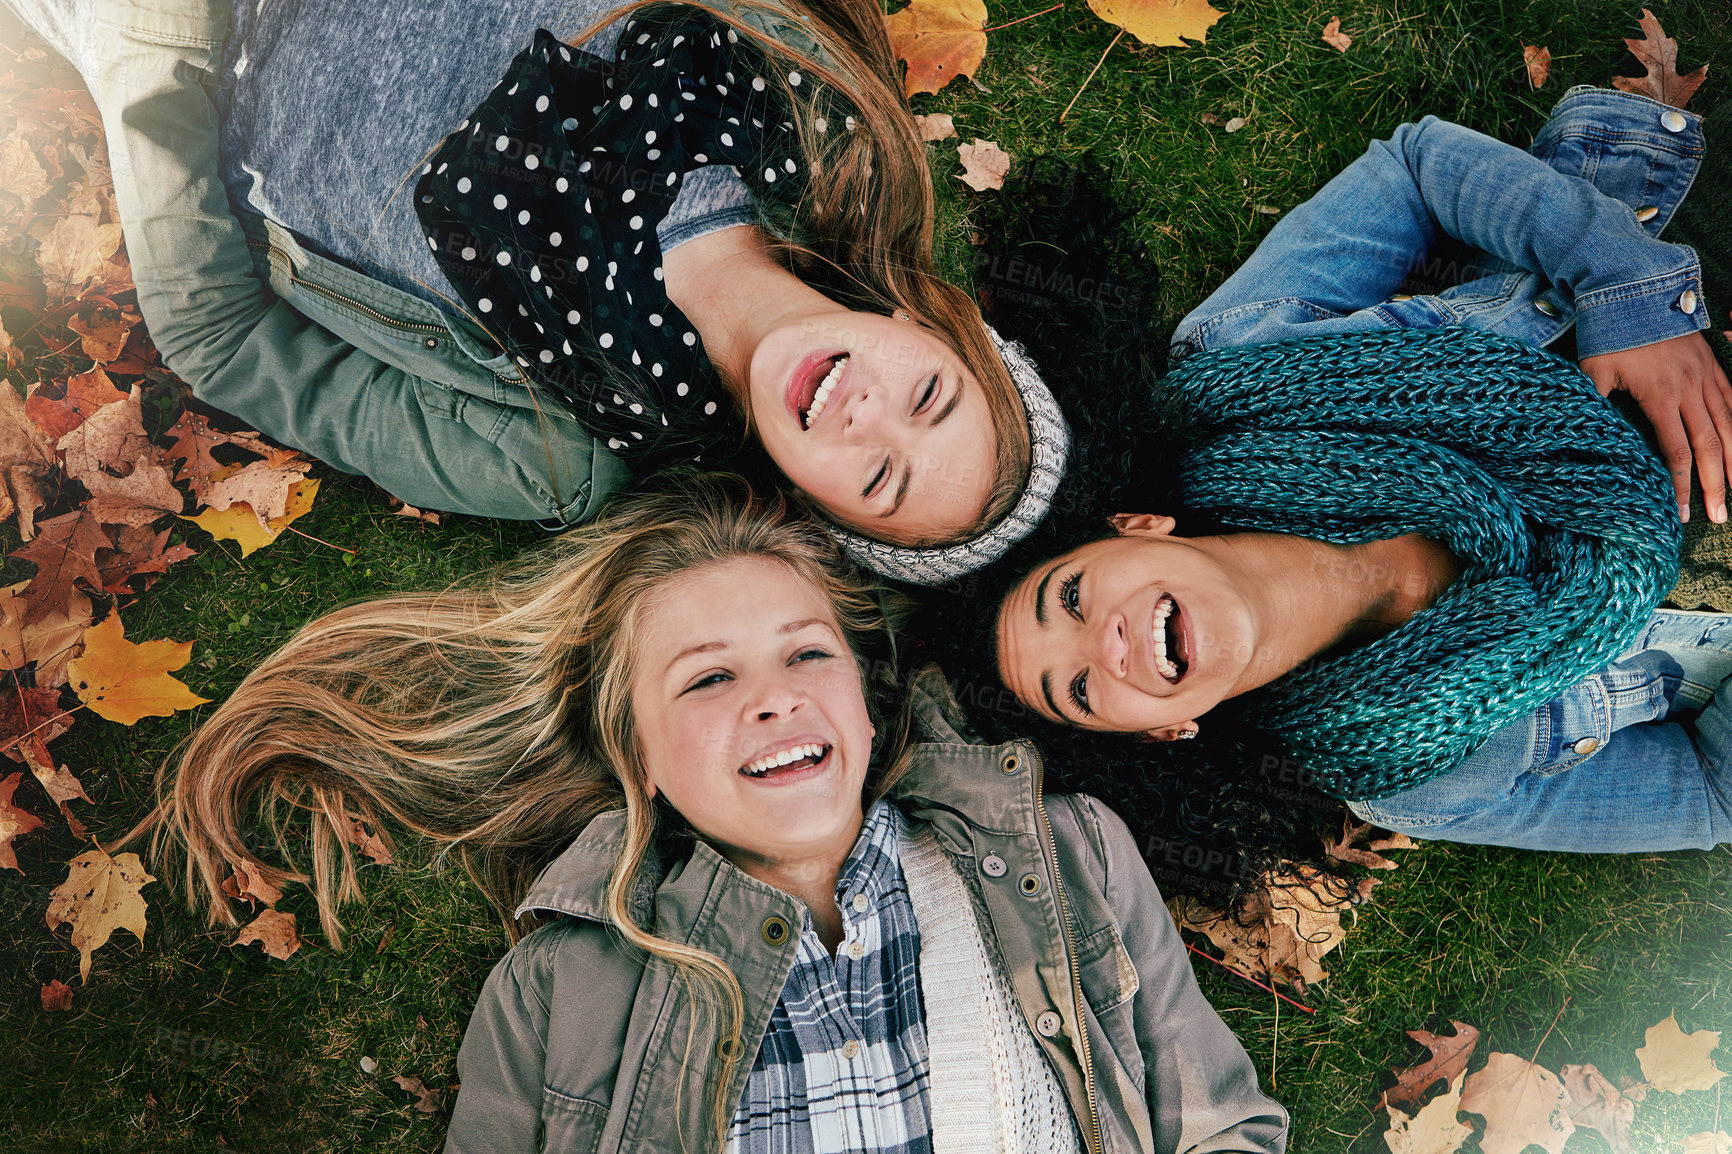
[(1046, 692), (1040, 602), (712, 646)]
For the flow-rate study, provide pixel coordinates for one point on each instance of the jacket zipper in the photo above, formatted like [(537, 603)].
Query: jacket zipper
[(1093, 1135), (333, 294)]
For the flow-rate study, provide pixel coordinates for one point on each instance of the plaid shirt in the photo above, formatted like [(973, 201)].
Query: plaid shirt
[(843, 1067)]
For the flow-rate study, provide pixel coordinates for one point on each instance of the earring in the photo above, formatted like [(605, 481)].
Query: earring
[(902, 315)]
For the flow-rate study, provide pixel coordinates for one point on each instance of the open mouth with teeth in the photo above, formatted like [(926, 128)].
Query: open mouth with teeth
[(1172, 644), (815, 390), (791, 760)]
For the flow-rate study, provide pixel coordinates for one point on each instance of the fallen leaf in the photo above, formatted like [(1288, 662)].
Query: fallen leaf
[(1434, 1129), (1234, 124), (139, 552), (263, 486), (1168, 23), (273, 930), (21, 174), (29, 711), (240, 524), (1708, 1142), (369, 1064), (1675, 1061), (56, 995), (1449, 1055), (935, 126), (26, 456), (74, 253), (1210, 118), (126, 474), (1334, 37), (1347, 847), (63, 551), (58, 411), (1658, 53), (14, 822), (244, 884), (102, 327), (1285, 928), (428, 1101), (368, 843), (984, 164), (1522, 1104), (402, 508), (939, 40), (1597, 1105), (194, 438), (51, 642), (123, 682), (1539, 64), (100, 895)]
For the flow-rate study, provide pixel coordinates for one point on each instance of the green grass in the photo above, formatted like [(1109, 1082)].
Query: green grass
[(186, 1044)]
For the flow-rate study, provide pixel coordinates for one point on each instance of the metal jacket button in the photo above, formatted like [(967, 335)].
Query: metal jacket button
[(1672, 120), (1687, 302), (1030, 884), (992, 866), (1646, 213), (775, 930), (1585, 746), (1048, 1024), (1546, 307), (1011, 763)]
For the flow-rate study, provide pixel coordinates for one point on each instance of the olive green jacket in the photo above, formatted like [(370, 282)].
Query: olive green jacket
[(578, 1045)]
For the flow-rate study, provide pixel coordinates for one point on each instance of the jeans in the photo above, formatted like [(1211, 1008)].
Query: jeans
[(1565, 235), (1636, 758)]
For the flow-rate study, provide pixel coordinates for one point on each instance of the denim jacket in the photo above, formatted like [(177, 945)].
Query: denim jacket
[(1564, 235)]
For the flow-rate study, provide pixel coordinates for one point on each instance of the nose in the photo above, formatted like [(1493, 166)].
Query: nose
[(1112, 647), (864, 420), (774, 696)]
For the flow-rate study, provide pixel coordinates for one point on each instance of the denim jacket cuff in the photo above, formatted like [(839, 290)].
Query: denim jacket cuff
[(1642, 312)]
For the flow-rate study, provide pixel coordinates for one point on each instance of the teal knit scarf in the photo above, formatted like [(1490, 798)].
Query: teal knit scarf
[(1561, 516)]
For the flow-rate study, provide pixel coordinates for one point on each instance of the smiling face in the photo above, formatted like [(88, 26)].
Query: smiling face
[(879, 421), (1138, 632), (750, 713)]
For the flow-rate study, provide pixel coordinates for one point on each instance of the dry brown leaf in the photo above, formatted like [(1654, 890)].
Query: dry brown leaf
[(1658, 53), (1334, 37), (1522, 1104), (1434, 1129), (63, 551), (402, 508), (1449, 1056), (1304, 925), (101, 894), (21, 174), (194, 438), (123, 682), (247, 883), (1708, 1142), (103, 328), (1347, 847), (51, 642), (1598, 1105), (984, 164), (1675, 1061), (939, 40), (368, 843), (427, 1101), (30, 712), (1163, 22), (1539, 64), (27, 458), (56, 995), (74, 253), (59, 784), (14, 822), (263, 486), (273, 930), (128, 479), (57, 410), (139, 552), (935, 126)]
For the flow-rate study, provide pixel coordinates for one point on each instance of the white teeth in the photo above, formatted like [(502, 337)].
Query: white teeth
[(822, 396), (765, 764), (1166, 668)]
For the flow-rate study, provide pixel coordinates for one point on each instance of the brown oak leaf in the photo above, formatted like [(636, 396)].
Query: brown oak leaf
[(194, 438), (368, 843), (247, 883), (14, 822), (1347, 847), (1162, 22), (57, 410), (101, 894), (1334, 37), (27, 458), (63, 551), (103, 328), (935, 126), (1658, 53), (76, 252), (56, 995), (1434, 1129), (939, 39), (263, 486), (1598, 1105), (1539, 64), (427, 1101), (51, 642), (275, 931), (140, 553), (984, 164), (1449, 1056), (109, 454), (1522, 1104)]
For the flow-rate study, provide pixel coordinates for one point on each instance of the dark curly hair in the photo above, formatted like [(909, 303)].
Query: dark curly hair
[(1060, 273)]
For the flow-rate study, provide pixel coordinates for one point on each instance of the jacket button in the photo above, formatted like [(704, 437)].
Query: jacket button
[(1585, 746), (1011, 763), (1029, 884), (992, 866), (1646, 213), (1048, 1024), (1546, 307), (775, 930), (1672, 120), (432, 342), (1687, 302)]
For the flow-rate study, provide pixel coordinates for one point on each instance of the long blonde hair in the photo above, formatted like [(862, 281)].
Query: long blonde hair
[(862, 232), (494, 719)]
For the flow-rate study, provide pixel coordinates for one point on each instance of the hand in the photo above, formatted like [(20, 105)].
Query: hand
[(1684, 393)]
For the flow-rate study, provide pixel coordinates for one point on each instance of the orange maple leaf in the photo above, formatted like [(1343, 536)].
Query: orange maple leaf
[(123, 682), (14, 822), (939, 39), (100, 895)]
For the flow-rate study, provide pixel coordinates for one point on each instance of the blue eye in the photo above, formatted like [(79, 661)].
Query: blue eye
[(812, 654), (707, 680)]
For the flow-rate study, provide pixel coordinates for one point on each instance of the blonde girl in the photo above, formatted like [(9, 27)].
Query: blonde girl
[(782, 924)]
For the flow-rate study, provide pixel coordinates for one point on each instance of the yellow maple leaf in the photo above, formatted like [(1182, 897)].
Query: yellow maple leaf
[(239, 523), (1675, 1061), (940, 40), (100, 895), (1168, 23), (123, 682)]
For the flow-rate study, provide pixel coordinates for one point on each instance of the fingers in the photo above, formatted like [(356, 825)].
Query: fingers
[(1708, 445), (1605, 377), (1718, 395), (1675, 451)]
